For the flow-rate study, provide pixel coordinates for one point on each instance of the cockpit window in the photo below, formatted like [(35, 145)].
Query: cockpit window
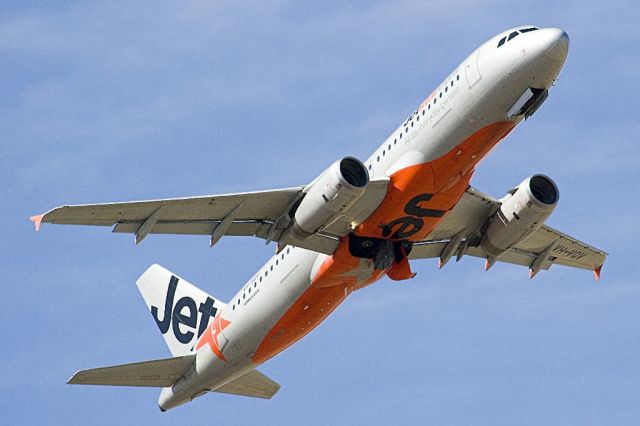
[(514, 34)]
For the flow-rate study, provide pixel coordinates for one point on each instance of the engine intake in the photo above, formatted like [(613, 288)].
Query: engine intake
[(330, 196), (523, 210)]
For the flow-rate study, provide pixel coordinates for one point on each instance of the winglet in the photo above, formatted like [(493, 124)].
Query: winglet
[(596, 272), (37, 220)]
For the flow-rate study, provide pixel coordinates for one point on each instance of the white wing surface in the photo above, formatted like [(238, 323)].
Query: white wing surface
[(194, 215), (263, 214), (538, 251)]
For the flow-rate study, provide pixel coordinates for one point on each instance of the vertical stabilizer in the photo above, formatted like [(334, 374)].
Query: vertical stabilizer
[(181, 311)]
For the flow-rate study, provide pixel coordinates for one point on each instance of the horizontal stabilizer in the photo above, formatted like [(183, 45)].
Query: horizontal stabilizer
[(254, 384), (158, 373)]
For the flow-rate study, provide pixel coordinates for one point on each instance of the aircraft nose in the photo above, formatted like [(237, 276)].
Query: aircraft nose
[(557, 41)]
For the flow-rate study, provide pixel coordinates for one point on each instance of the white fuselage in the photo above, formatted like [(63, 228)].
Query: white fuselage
[(479, 92)]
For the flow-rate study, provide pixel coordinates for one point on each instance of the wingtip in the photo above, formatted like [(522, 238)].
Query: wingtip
[(596, 272), (71, 379), (488, 263), (37, 221)]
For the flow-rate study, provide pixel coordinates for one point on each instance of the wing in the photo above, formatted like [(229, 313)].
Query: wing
[(538, 251), (264, 214)]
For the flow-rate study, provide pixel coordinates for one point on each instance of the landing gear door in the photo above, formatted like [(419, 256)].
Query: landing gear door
[(472, 70)]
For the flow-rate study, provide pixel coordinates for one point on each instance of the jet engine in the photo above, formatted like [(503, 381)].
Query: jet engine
[(330, 196), (523, 211)]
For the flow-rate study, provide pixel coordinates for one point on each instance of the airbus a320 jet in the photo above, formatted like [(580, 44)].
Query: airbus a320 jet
[(354, 224)]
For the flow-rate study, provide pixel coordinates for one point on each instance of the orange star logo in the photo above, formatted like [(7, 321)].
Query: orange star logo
[(210, 336)]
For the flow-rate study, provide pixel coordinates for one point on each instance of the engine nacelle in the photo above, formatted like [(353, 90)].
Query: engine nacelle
[(523, 211), (330, 196)]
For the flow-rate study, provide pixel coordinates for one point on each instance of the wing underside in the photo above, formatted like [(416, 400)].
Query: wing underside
[(267, 215), (546, 245), (263, 214)]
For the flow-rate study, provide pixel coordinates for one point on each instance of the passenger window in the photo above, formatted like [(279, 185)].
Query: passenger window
[(238, 302), (451, 83), (389, 147), (383, 151), (400, 135), (440, 94), (435, 101), (512, 35), (502, 40), (395, 141), (458, 77), (276, 262), (234, 307), (254, 285), (378, 159), (418, 117), (446, 89), (423, 111)]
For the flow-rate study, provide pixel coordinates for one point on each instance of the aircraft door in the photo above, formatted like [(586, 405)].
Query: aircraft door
[(295, 282), (472, 70)]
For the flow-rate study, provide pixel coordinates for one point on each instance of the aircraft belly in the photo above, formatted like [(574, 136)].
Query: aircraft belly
[(270, 300), (417, 201), (247, 324), (420, 196), (333, 278)]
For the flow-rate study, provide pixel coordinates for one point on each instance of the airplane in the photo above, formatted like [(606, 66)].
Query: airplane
[(351, 226)]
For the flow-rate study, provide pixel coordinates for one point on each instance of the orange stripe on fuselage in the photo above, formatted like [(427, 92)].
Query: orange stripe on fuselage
[(306, 313), (444, 180), (339, 275)]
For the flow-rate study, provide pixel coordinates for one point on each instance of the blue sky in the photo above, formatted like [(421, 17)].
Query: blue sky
[(115, 101)]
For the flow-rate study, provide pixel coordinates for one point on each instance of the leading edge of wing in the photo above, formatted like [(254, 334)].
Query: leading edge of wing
[(109, 214)]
